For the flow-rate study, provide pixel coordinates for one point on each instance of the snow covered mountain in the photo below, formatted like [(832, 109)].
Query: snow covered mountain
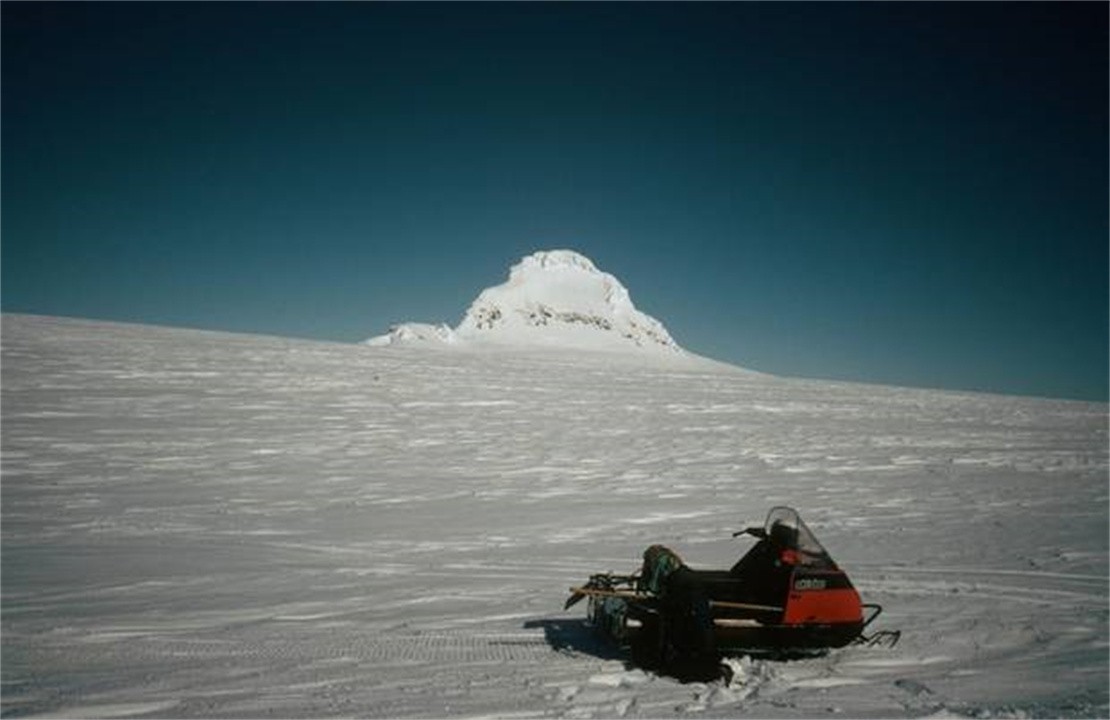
[(554, 298)]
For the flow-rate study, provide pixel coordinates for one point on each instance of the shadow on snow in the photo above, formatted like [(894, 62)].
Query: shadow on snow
[(577, 635)]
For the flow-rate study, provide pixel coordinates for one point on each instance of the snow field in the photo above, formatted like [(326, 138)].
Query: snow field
[(210, 525)]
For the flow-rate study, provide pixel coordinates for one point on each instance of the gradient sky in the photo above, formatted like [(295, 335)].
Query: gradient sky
[(903, 193)]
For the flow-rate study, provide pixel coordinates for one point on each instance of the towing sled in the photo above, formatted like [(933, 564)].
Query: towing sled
[(785, 597)]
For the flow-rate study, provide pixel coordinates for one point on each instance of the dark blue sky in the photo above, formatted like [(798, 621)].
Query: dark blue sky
[(906, 193)]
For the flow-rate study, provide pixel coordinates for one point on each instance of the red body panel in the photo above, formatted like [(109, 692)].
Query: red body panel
[(822, 598)]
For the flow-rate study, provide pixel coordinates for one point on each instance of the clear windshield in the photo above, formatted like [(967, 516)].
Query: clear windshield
[(785, 527)]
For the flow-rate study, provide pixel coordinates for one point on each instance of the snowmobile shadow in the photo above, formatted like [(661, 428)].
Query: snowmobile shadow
[(579, 636), (576, 635)]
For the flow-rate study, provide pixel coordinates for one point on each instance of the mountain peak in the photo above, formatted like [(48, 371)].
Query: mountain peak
[(553, 259), (552, 298)]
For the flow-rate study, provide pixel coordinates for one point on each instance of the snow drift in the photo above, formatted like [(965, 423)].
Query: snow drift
[(415, 333)]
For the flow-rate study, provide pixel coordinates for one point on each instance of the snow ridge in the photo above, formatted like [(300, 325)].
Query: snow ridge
[(415, 333), (553, 298)]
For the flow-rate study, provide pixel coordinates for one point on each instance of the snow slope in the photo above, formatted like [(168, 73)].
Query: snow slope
[(411, 332), (209, 525), (554, 298)]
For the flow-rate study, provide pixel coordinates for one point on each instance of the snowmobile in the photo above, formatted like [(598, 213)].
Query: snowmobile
[(784, 598)]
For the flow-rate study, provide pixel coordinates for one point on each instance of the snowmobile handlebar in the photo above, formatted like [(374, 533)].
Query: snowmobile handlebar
[(758, 532)]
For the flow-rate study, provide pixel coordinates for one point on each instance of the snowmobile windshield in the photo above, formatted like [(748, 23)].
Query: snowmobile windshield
[(785, 528)]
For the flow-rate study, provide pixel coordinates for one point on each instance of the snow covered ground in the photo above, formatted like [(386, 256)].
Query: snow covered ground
[(209, 525)]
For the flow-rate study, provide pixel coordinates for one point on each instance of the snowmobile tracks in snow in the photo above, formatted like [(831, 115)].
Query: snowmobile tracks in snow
[(388, 647)]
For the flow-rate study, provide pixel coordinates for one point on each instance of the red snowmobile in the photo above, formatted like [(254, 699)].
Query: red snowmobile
[(785, 597)]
